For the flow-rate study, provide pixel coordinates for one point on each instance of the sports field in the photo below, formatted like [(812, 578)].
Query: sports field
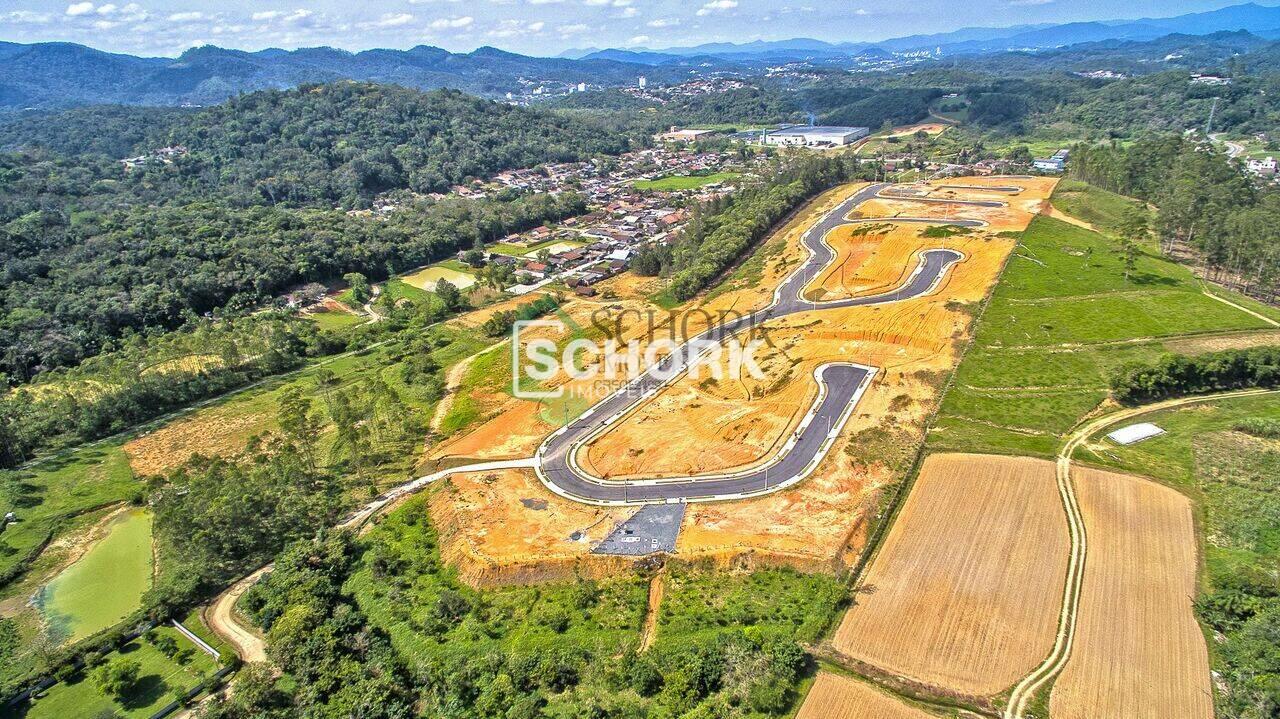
[(104, 585), (426, 279), (159, 677), (675, 183)]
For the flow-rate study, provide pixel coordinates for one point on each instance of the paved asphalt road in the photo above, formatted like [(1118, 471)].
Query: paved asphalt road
[(843, 384)]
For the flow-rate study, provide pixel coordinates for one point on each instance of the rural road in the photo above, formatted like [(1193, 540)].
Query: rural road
[(840, 384), (1026, 689)]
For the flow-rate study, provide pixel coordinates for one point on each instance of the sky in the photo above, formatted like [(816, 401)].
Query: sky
[(533, 27)]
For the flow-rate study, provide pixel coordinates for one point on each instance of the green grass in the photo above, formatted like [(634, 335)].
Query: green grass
[(1094, 205), (1062, 319), (398, 289), (674, 183), (700, 602), (105, 585), (49, 496), (160, 675), (589, 615), (335, 321)]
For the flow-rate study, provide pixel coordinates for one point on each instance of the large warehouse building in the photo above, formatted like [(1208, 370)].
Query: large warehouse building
[(816, 136)]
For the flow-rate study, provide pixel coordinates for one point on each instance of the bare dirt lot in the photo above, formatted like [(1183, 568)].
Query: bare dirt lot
[(696, 426), (1138, 651), (964, 595), (835, 696)]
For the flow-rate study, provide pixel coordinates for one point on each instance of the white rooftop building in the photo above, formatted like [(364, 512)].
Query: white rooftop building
[(816, 136)]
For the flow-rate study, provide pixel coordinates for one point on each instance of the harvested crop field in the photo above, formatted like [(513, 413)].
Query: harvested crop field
[(835, 696), (964, 595), (1138, 651)]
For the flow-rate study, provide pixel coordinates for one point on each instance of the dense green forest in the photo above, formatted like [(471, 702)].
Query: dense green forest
[(93, 251)]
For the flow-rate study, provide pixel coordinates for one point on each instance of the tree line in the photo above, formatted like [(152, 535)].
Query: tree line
[(722, 231), (1176, 375), (1206, 203)]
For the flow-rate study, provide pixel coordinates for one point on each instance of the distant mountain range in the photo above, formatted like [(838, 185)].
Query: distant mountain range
[(59, 74), (50, 75), (1258, 19)]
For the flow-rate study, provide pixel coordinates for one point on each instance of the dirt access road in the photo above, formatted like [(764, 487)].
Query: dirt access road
[(1026, 689)]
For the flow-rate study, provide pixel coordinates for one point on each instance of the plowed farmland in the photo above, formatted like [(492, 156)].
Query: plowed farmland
[(964, 595), (1138, 651), (834, 696)]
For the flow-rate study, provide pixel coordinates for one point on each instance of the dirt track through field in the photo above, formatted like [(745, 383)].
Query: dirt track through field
[(963, 595), (1139, 652), (657, 589), (453, 380), (1026, 690), (220, 616)]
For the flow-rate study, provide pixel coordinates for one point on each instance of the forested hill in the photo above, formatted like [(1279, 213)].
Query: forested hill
[(325, 145), (90, 251)]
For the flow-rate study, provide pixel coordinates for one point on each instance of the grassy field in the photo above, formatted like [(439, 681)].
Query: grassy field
[(701, 602), (49, 496), (106, 584), (335, 320), (674, 183), (159, 678), (1062, 319), (1094, 205)]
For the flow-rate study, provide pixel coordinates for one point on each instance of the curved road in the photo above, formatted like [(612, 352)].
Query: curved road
[(840, 386)]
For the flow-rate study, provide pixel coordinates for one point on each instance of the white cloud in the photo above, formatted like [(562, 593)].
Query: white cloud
[(861, 11), (717, 6), (80, 8), (1029, 3), (394, 20), (536, 26), (544, 2), (639, 40), (445, 23), (106, 9), (186, 17), (574, 29), (664, 22), (268, 15), (628, 12)]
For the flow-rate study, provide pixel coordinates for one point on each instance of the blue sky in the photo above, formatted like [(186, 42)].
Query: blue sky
[(536, 27)]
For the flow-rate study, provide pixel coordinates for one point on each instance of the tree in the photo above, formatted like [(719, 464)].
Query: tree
[(1135, 228), (297, 422), (450, 295), (474, 257), (360, 289), (117, 679)]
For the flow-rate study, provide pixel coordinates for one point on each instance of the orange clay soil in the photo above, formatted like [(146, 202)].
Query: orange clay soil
[(504, 527), (697, 426), (963, 597), (835, 696), (1138, 650)]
